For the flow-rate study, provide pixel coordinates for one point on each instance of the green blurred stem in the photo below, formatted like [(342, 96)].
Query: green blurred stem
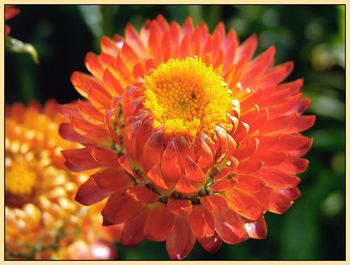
[(17, 46)]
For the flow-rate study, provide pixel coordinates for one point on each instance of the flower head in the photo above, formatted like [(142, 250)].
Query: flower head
[(193, 138), (42, 220), (10, 12)]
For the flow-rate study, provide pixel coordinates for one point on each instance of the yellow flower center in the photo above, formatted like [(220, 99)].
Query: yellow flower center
[(20, 180), (187, 97)]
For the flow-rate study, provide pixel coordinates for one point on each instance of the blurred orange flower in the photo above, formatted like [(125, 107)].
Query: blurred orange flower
[(194, 138), (10, 12), (42, 219)]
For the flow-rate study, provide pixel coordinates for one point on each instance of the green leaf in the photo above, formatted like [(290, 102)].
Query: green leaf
[(17, 46)]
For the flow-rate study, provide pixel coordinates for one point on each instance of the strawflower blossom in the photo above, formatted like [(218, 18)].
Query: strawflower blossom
[(193, 137), (42, 220)]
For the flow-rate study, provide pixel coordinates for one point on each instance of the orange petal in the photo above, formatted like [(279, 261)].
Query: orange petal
[(94, 66), (79, 159), (120, 208), (211, 244), (133, 230), (180, 240), (112, 180), (90, 193), (169, 165), (84, 83), (109, 46), (142, 194), (201, 222), (112, 84), (90, 113), (159, 223), (302, 123), (179, 207), (229, 226)]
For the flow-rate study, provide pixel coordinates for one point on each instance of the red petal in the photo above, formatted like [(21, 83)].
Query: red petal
[(246, 50), (276, 74), (214, 203), (142, 194), (152, 150), (133, 230), (249, 183), (169, 165), (244, 203), (222, 185), (257, 229), (90, 193), (179, 207), (211, 244), (185, 186), (293, 165), (201, 222), (302, 123), (105, 157), (155, 175), (67, 132), (273, 200), (112, 84), (112, 180), (278, 179), (180, 240), (246, 148), (79, 159), (159, 223), (120, 208), (205, 154), (229, 226), (109, 46)]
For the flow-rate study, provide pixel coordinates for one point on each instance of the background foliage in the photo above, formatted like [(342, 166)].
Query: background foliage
[(312, 36)]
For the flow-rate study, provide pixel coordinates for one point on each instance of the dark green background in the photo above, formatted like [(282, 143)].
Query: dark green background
[(312, 36)]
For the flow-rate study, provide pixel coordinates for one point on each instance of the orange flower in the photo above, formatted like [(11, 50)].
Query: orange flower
[(10, 12), (193, 139), (42, 220)]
